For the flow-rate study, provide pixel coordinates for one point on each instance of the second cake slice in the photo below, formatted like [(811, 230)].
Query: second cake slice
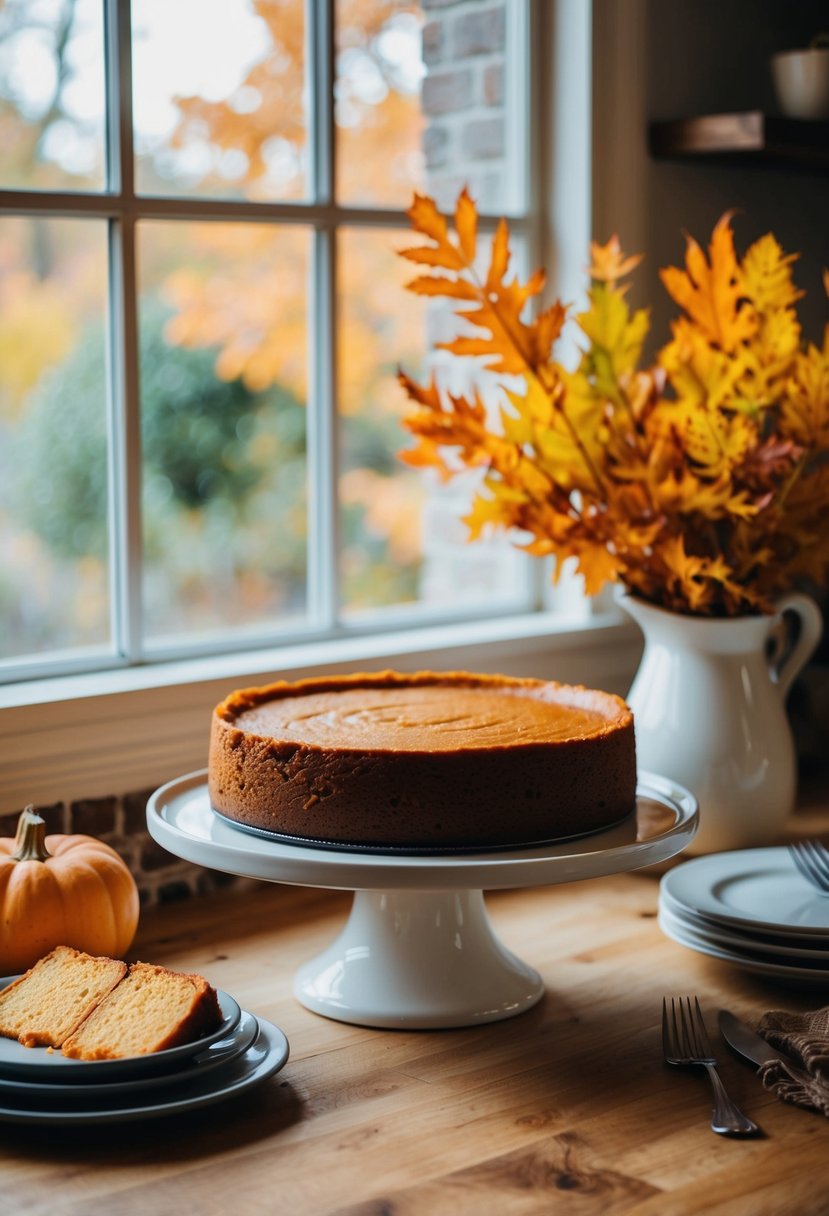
[(150, 1010)]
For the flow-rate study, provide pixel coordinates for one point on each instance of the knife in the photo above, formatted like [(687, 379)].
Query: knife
[(747, 1042)]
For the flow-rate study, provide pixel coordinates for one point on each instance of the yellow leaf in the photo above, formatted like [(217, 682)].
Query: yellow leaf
[(767, 275), (712, 294), (713, 439), (609, 326), (805, 408), (573, 442), (607, 262), (598, 567), (768, 360), (486, 515), (516, 423), (701, 374)]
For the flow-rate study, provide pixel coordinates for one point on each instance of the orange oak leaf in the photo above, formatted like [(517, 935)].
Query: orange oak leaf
[(508, 343)]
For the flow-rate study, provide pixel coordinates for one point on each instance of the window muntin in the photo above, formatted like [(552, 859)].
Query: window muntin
[(146, 624)]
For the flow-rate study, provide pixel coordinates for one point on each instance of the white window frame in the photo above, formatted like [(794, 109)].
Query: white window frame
[(66, 734)]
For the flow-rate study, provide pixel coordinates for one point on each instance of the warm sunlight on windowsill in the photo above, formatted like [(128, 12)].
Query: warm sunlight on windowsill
[(102, 734)]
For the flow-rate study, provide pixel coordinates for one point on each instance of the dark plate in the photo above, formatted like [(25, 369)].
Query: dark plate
[(41, 1064), (265, 1056), (339, 846), (221, 1052)]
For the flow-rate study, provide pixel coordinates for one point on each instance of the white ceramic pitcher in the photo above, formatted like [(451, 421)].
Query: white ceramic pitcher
[(709, 707)]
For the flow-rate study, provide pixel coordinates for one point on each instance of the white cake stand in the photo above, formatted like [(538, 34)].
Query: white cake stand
[(418, 950)]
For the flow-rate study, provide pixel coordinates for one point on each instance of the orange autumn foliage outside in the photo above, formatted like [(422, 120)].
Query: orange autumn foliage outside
[(700, 482)]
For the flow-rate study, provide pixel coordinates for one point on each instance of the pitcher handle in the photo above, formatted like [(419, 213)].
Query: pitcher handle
[(811, 627)]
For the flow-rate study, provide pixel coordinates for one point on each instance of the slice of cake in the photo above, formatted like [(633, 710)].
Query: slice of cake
[(425, 760), (150, 1010), (44, 1006)]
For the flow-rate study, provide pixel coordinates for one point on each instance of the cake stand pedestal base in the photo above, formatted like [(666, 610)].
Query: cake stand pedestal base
[(417, 959)]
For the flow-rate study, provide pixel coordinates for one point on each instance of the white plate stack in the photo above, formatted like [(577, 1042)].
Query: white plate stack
[(752, 908), (42, 1086)]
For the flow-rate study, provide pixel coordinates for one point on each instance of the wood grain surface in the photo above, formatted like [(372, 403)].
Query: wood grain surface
[(567, 1108)]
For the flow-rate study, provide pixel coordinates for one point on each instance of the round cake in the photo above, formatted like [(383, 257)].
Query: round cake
[(423, 761)]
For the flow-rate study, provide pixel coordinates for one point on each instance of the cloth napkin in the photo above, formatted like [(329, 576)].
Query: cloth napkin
[(804, 1037)]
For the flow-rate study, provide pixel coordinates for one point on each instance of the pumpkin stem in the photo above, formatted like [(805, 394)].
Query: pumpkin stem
[(30, 841)]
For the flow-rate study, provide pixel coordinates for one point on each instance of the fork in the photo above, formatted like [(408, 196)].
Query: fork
[(812, 860), (684, 1042)]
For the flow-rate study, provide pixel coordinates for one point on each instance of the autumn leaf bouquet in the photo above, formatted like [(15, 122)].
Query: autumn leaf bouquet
[(699, 482)]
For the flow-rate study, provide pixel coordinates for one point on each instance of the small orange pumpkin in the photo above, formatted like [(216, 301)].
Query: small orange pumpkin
[(62, 891)]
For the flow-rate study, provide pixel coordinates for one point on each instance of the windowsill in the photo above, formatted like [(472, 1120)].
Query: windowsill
[(101, 734), (292, 661)]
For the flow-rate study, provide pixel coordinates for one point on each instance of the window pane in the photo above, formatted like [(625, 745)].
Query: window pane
[(53, 436), (377, 97), (230, 120), (403, 540), (223, 394), (51, 95)]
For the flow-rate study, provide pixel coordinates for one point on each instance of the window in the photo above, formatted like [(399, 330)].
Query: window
[(172, 487), (202, 313)]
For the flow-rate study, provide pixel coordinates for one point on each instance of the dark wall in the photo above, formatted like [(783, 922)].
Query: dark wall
[(711, 56)]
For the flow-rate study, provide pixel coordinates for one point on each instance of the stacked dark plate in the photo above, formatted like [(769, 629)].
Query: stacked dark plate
[(42, 1086)]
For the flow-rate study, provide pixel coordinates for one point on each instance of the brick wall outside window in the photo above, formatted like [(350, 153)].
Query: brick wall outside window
[(464, 43)]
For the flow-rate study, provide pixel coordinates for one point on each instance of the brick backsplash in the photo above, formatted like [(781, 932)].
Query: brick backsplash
[(121, 823)]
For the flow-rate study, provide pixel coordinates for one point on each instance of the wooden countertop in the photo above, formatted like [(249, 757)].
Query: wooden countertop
[(567, 1108)]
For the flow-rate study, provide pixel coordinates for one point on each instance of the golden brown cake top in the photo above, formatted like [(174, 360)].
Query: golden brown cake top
[(426, 711)]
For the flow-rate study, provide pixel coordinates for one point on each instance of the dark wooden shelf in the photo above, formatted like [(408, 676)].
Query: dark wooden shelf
[(747, 136)]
